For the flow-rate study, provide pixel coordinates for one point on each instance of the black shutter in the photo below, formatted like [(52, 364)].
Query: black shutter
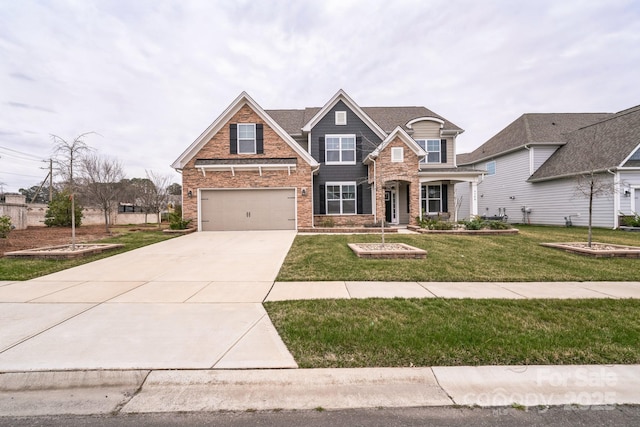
[(259, 139), (443, 151), (321, 148), (233, 139), (408, 198), (359, 207), (323, 198), (445, 198), (358, 148)]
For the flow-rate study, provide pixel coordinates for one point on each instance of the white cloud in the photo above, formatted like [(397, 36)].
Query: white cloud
[(150, 75)]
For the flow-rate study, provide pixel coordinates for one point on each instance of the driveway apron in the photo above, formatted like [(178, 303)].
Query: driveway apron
[(193, 302)]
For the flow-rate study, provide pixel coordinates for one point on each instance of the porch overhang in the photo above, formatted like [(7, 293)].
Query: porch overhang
[(234, 165), (451, 174)]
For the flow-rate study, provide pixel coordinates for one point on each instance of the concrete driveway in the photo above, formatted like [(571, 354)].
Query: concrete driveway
[(193, 302)]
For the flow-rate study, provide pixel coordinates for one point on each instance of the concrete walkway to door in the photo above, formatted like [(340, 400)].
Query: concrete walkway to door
[(193, 302)]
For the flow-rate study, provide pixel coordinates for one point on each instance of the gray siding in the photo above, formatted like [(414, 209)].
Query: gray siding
[(550, 201), (357, 172), (630, 181), (541, 154)]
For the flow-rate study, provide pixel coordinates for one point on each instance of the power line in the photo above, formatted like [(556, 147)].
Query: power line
[(18, 157), (19, 174), (21, 152)]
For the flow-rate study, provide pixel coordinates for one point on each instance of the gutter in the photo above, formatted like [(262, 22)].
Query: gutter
[(568, 175)]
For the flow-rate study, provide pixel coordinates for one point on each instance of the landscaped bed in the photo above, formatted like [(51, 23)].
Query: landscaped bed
[(444, 332)]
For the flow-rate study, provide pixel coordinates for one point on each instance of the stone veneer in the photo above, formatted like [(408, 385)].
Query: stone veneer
[(274, 147), (406, 171)]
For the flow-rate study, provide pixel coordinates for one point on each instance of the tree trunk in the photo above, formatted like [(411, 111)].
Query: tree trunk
[(590, 211), (106, 219)]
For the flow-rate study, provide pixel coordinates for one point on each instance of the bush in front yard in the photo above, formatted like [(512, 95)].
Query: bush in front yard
[(5, 226)]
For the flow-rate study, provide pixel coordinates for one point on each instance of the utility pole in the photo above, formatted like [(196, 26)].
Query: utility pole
[(50, 180)]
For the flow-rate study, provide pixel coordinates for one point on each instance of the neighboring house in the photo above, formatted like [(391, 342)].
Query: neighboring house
[(339, 164), (534, 164)]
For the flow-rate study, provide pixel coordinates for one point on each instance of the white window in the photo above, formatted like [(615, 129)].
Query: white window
[(340, 149), (431, 198), (246, 138), (341, 198), (491, 167), (432, 147), (341, 118), (397, 154)]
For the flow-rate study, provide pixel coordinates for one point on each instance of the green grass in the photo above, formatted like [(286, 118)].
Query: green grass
[(462, 258), (443, 332), (25, 269)]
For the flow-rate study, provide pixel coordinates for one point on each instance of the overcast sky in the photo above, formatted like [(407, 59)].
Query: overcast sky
[(149, 76)]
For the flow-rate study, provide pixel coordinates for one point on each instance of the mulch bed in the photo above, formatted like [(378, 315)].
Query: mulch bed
[(36, 237)]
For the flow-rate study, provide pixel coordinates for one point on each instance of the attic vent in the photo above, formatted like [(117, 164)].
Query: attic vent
[(553, 123)]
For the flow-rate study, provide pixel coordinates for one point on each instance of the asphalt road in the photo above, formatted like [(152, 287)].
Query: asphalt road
[(618, 416)]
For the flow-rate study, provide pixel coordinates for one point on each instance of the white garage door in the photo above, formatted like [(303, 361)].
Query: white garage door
[(248, 209)]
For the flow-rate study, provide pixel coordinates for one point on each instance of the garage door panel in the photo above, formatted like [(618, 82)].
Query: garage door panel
[(248, 209)]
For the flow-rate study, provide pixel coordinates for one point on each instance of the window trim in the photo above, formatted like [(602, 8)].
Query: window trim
[(254, 139), (341, 184), (340, 150), (341, 118), (489, 173), (424, 144), (425, 200), (397, 154)]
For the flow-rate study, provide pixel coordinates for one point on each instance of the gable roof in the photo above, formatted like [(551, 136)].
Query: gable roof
[(341, 95), (242, 100), (601, 146), (404, 137), (531, 128)]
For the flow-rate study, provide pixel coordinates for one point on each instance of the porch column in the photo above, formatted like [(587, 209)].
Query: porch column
[(473, 198)]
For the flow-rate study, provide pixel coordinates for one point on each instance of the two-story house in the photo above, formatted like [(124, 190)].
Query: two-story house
[(536, 168), (255, 169)]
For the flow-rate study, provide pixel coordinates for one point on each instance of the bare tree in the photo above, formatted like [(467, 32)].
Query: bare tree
[(159, 196), (102, 186), (592, 185), (68, 152), (596, 180)]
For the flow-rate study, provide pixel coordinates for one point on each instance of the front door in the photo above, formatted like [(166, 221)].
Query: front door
[(391, 206)]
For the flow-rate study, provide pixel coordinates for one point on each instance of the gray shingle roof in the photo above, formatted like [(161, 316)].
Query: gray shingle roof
[(597, 147), (387, 118), (532, 128)]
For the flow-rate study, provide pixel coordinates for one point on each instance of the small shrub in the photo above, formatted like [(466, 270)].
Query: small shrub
[(5, 226), (328, 223), (176, 222), (59, 211), (475, 223), (630, 220), (497, 225)]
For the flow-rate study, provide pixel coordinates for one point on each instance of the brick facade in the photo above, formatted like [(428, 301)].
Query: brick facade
[(274, 147), (406, 171)]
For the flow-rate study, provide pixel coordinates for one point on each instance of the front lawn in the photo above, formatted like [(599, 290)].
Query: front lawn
[(508, 258), (448, 332), (25, 269)]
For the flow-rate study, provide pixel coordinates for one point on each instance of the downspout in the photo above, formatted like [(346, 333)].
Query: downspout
[(616, 197)]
